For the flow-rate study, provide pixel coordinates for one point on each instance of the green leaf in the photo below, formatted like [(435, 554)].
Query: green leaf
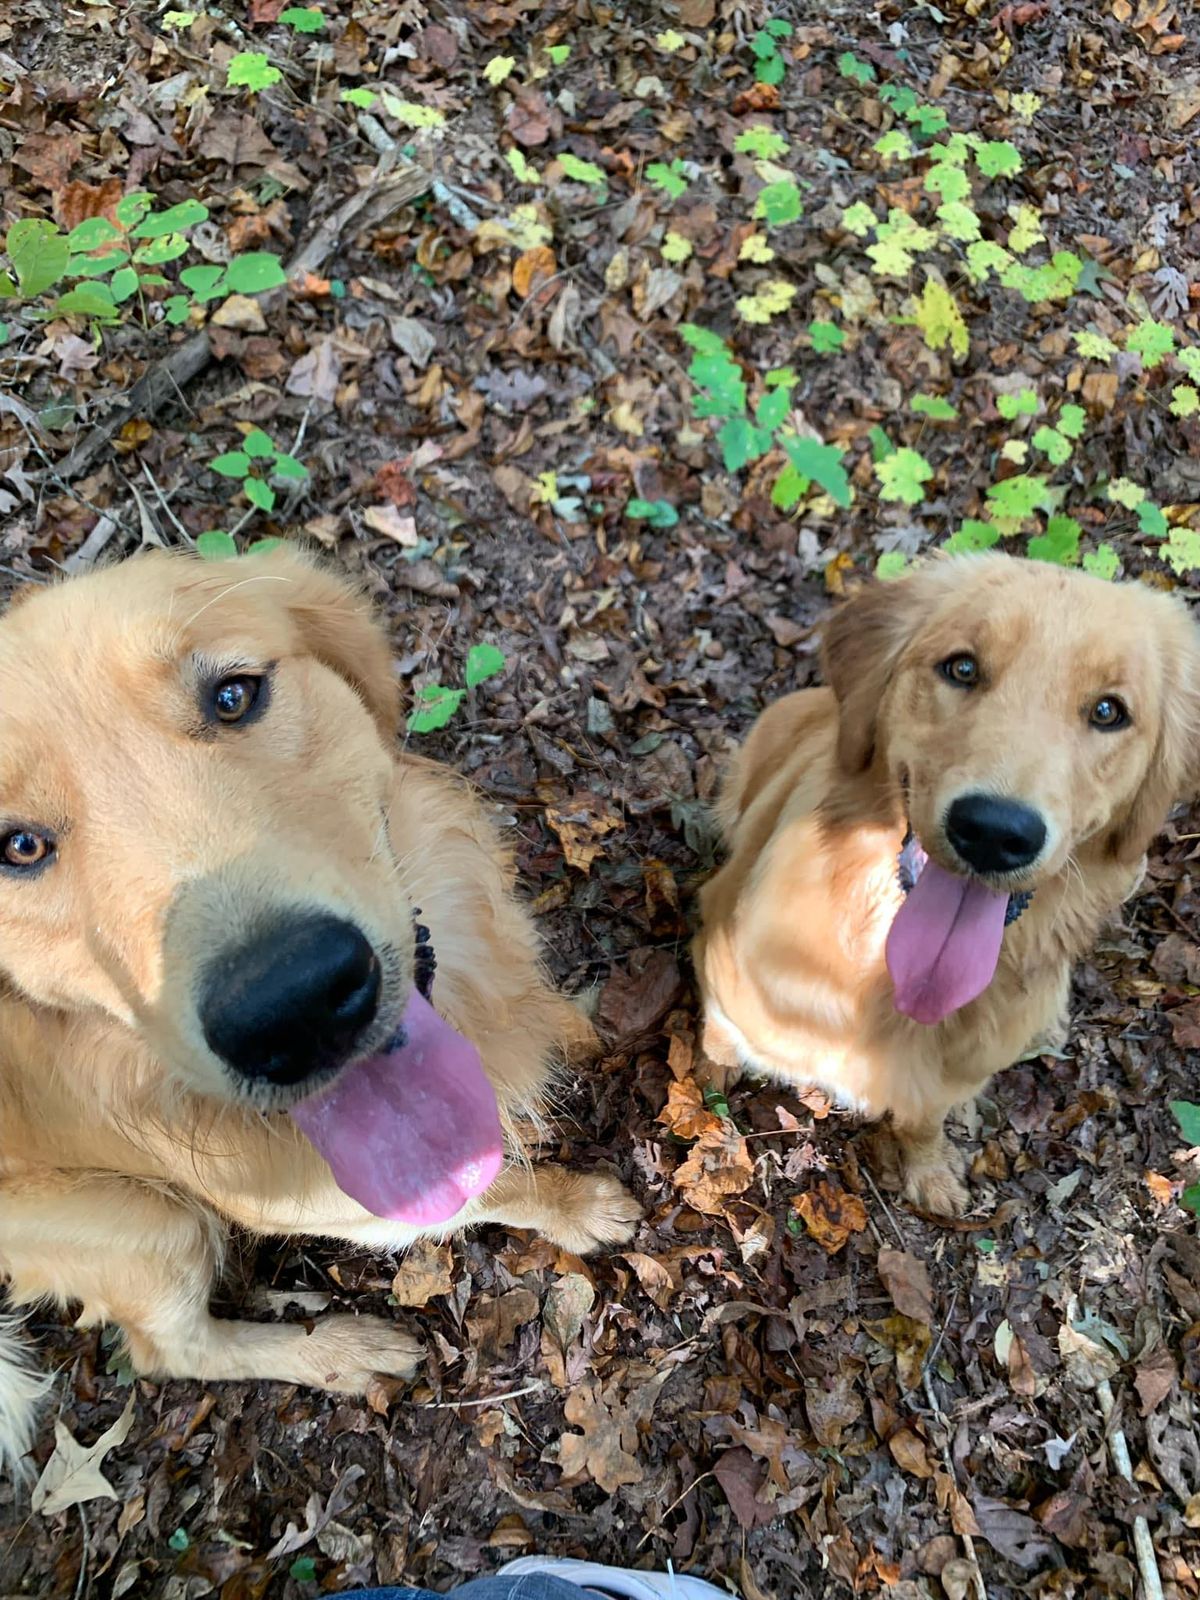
[(176, 308), (1059, 543), (206, 283), (948, 181), (303, 1570), (1153, 341), (483, 661), (972, 537), (741, 442), (881, 444), (1182, 551), (658, 513), (827, 337), (233, 464), (498, 69), (899, 96), (1094, 346), (859, 219), (1189, 359), (703, 340), (288, 467), (259, 494), (671, 178), (861, 72), (173, 220), (216, 545), (178, 19), (985, 256), (788, 488), (998, 159), (263, 547), (8, 287), (1187, 1115), (159, 251), (1151, 519), (582, 171), (88, 300), (772, 409), (1052, 444), (902, 476), (779, 203), (123, 284), (1190, 1199), (1022, 404), (782, 378), (250, 69), (959, 222), (927, 119), (722, 377), (820, 462), (778, 28), (305, 19), (558, 53), (1071, 421), (770, 70), (361, 97), (258, 444), (1185, 400), (892, 564), (895, 145), (940, 320), (1103, 562), (934, 407), (524, 171), (91, 233), (437, 705), (38, 252), (131, 208), (1016, 499), (255, 271), (179, 1540), (762, 142)]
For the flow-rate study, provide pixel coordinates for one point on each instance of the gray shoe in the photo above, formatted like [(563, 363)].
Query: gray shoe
[(618, 1582)]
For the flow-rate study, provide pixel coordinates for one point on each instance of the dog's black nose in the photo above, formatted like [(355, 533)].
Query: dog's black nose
[(292, 1000), (994, 835)]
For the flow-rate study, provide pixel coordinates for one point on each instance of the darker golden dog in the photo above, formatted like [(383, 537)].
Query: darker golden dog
[(255, 968), (920, 851)]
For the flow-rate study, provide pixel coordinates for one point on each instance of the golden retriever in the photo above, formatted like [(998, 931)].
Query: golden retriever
[(224, 898), (919, 852)]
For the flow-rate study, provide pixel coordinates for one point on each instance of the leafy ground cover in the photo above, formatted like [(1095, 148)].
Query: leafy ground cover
[(608, 344)]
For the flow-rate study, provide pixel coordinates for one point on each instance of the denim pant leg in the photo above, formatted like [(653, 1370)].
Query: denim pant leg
[(523, 1586)]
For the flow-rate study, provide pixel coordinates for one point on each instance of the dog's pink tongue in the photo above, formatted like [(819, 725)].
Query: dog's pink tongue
[(412, 1134), (944, 944)]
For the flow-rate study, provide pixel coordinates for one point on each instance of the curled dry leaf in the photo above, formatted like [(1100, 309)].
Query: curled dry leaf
[(580, 825), (718, 1167), (831, 1215), (605, 1449), (685, 1113), (72, 1474), (426, 1269), (906, 1279)]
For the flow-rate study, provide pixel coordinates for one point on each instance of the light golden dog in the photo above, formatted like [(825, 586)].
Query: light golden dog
[(919, 852), (222, 899)]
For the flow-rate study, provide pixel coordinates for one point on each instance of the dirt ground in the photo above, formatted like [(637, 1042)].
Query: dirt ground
[(862, 1402)]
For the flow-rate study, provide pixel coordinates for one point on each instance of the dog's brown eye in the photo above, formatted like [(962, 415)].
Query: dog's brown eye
[(23, 847), (962, 670), (1108, 713), (233, 698)]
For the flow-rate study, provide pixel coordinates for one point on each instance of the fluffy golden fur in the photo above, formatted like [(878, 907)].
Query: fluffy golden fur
[(126, 1148), (791, 954)]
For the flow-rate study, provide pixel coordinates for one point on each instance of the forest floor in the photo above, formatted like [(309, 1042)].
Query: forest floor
[(789, 1380)]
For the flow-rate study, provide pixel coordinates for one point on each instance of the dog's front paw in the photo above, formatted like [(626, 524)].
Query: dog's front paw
[(938, 1187), (346, 1353), (598, 1211)]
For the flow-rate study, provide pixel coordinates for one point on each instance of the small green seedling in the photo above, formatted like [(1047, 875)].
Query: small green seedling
[(437, 704), (256, 462)]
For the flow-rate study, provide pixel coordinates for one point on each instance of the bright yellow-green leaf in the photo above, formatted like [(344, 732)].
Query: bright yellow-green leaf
[(676, 247), (498, 68), (178, 19), (1182, 551), (1185, 401), (1094, 346), (545, 489), (940, 320), (582, 171), (1015, 450), (1189, 359), (859, 219), (1126, 493), (525, 228), (670, 41), (411, 115), (1026, 106), (894, 146), (768, 300), (985, 256), (756, 249), (902, 476), (1026, 230), (524, 171), (959, 221)]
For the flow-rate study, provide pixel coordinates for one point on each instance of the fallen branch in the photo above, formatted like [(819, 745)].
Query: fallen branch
[(164, 379), (1118, 1449)]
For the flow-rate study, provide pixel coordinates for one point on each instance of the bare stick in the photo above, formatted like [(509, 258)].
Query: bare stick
[(968, 1542), (1143, 1544)]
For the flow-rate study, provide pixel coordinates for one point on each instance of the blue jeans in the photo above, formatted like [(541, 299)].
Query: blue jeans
[(533, 1586)]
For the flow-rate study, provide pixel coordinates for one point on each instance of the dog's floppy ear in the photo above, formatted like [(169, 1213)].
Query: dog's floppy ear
[(341, 630), (860, 646), (1173, 772)]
